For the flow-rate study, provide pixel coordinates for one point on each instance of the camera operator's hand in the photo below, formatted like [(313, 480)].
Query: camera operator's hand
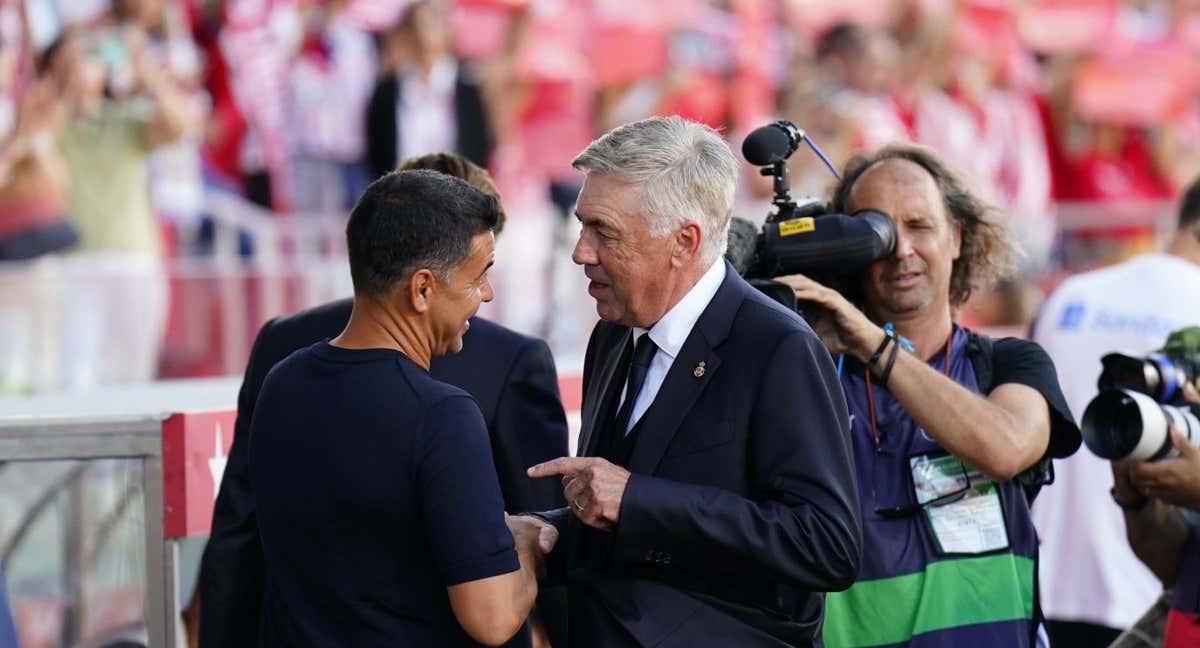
[(1124, 492), (1175, 480), (1189, 394), (842, 327)]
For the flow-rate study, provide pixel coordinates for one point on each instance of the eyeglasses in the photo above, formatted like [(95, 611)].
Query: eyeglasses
[(940, 496)]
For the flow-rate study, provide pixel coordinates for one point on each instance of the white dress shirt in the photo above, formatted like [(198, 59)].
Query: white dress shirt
[(425, 112), (669, 333)]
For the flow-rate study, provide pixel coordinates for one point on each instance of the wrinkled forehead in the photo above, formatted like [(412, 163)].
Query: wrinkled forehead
[(608, 196), (899, 188)]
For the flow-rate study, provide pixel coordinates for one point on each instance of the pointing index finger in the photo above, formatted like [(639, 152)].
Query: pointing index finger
[(560, 466)]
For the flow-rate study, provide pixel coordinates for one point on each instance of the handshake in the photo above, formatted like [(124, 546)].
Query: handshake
[(534, 538)]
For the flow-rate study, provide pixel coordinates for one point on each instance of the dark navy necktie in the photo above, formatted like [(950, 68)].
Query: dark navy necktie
[(639, 365)]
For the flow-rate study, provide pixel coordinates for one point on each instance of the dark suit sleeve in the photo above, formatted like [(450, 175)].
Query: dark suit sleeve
[(475, 137), (381, 128), (231, 571), (556, 562), (802, 525), (529, 427)]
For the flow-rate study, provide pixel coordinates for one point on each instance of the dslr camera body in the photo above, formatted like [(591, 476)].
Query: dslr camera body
[(801, 238), (1140, 397)]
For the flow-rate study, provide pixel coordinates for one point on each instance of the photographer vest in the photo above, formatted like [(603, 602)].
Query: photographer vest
[(959, 570)]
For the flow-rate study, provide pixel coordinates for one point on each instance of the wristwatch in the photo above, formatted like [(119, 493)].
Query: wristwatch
[(1127, 505)]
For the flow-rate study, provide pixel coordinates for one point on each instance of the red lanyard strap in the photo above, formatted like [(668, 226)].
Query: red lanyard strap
[(871, 393)]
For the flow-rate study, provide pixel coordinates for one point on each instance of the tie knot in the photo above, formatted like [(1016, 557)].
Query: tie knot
[(643, 351)]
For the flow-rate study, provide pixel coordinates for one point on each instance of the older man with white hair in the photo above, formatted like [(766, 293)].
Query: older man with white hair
[(713, 499)]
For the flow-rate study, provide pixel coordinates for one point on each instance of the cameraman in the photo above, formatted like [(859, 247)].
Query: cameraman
[(941, 433), (1160, 500)]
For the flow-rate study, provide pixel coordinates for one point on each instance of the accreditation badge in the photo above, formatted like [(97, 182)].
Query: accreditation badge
[(961, 506)]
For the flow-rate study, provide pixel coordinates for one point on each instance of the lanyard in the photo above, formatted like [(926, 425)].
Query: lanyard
[(871, 395)]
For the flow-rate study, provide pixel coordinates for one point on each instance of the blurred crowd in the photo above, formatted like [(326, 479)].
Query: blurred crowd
[(119, 117)]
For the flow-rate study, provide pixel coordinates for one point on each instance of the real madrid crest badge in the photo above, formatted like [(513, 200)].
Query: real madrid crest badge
[(699, 372)]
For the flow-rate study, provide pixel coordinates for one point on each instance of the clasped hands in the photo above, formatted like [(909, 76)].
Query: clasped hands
[(593, 488), (533, 537)]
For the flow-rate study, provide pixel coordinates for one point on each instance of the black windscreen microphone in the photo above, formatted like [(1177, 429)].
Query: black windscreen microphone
[(772, 143), (743, 244)]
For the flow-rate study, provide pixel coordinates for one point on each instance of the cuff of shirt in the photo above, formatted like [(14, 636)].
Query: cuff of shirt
[(495, 564)]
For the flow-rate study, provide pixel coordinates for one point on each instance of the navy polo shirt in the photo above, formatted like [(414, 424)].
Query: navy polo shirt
[(375, 490)]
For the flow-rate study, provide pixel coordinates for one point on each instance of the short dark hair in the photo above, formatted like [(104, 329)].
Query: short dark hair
[(460, 167), (987, 248), (409, 220), (1189, 207)]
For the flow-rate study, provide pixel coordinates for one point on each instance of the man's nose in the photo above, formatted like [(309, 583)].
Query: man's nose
[(584, 253), (904, 246), (488, 294)]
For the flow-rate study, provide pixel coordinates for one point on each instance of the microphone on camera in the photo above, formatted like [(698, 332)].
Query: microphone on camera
[(743, 244), (772, 143)]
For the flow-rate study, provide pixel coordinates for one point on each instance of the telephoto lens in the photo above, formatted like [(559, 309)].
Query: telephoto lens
[(1125, 425), (1157, 374)]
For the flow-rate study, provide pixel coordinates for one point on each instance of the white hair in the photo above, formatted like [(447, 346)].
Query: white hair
[(682, 171)]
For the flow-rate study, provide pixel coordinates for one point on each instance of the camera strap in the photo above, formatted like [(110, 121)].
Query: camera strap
[(979, 352)]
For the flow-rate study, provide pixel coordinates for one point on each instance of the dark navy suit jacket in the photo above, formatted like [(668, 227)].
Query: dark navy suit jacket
[(742, 506), (511, 376)]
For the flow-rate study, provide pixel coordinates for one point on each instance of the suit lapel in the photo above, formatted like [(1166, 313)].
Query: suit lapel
[(680, 389), (598, 393), (687, 377)]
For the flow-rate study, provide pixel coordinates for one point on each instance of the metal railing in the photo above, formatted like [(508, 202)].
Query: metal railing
[(76, 432)]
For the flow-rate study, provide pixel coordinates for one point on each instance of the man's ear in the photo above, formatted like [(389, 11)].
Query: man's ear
[(687, 240), (421, 287)]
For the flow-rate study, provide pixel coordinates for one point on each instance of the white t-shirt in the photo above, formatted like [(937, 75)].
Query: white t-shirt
[(1088, 572)]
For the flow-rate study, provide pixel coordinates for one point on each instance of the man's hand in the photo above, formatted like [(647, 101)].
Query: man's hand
[(592, 486), (1175, 480), (533, 537), (533, 531), (1123, 488), (841, 326)]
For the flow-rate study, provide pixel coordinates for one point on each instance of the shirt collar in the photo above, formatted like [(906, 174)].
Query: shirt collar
[(672, 330), (442, 76)]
